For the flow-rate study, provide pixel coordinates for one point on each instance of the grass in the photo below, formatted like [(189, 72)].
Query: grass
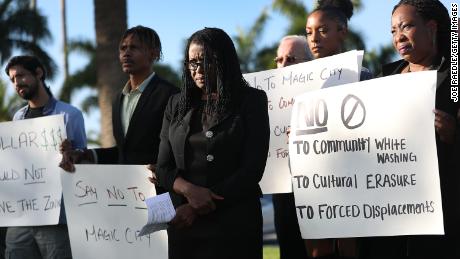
[(271, 252)]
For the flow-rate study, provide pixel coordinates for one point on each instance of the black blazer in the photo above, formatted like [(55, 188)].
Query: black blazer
[(237, 152), (238, 147), (140, 146)]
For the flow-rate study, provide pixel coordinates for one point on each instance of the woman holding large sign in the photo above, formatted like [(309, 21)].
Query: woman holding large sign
[(326, 31), (213, 150), (421, 36)]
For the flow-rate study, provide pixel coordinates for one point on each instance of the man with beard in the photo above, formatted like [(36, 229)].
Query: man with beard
[(28, 77), (137, 111)]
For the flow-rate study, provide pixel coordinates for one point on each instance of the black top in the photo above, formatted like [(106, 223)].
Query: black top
[(34, 112), (196, 148)]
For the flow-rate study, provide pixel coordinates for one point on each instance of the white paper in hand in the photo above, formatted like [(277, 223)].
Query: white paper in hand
[(160, 212)]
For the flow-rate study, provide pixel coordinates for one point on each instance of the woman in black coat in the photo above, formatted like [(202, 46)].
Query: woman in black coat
[(421, 36), (213, 150)]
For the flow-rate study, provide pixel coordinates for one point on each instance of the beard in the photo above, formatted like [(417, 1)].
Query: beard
[(29, 91)]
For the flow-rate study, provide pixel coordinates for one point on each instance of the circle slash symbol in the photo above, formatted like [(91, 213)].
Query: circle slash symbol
[(350, 118)]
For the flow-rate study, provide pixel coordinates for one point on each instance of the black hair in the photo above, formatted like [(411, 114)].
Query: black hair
[(339, 10), (147, 36), (433, 10), (220, 58), (30, 63)]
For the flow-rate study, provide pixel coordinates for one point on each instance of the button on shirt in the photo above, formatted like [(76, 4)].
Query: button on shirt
[(209, 134), (130, 100)]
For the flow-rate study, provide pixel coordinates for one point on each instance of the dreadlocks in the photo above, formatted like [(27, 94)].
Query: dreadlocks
[(433, 10), (220, 58), (148, 37)]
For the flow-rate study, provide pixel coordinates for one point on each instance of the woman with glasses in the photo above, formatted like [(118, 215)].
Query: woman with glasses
[(326, 31), (213, 150)]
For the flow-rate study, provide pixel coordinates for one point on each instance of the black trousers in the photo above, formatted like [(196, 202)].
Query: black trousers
[(2, 242), (287, 228)]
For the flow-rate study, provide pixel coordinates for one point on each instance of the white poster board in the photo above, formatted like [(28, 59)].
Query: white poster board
[(364, 160), (281, 85), (106, 210), (30, 187)]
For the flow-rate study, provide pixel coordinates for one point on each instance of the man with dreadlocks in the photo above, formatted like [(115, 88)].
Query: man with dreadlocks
[(421, 35), (138, 109), (213, 150)]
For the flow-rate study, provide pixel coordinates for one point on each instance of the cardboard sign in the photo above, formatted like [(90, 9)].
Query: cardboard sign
[(281, 86), (30, 187), (364, 160), (106, 210)]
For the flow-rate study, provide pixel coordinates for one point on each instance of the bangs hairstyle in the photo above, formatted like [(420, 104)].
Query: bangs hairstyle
[(220, 58), (433, 10), (148, 38)]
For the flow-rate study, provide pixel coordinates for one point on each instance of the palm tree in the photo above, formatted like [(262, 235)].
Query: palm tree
[(245, 42), (83, 78), (110, 20), (64, 39), (8, 104), (24, 29)]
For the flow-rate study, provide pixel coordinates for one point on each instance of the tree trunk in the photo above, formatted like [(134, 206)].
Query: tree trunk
[(110, 20), (64, 40)]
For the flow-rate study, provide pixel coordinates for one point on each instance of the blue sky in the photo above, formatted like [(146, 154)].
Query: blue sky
[(175, 20)]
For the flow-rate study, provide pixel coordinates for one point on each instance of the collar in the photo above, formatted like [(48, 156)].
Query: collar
[(127, 88), (398, 66), (48, 108)]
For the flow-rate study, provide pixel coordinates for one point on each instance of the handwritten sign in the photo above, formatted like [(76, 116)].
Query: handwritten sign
[(30, 187), (281, 85), (364, 160), (106, 210)]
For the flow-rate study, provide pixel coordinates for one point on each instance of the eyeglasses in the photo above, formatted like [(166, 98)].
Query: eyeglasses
[(286, 59), (193, 65)]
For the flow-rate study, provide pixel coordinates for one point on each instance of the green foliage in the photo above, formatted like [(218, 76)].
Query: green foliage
[(24, 29), (8, 104), (296, 13), (271, 252), (168, 73), (375, 58), (246, 42), (83, 78)]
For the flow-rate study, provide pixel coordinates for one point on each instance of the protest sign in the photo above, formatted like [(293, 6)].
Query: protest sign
[(30, 187), (106, 211), (364, 160), (281, 85)]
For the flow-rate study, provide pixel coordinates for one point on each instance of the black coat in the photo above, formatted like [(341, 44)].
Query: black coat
[(237, 153), (140, 145)]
